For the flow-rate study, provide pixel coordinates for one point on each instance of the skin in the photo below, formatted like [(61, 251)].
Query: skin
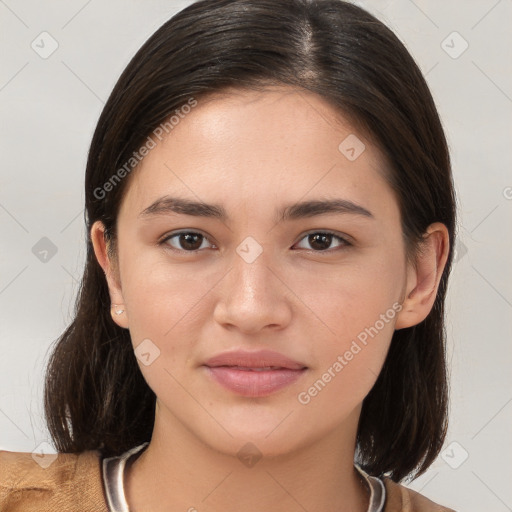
[(253, 152)]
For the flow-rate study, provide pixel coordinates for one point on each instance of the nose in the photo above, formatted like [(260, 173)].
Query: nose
[(253, 297)]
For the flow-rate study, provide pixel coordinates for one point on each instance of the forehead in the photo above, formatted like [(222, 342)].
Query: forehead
[(240, 146)]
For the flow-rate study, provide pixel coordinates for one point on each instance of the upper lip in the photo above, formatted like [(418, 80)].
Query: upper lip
[(256, 359)]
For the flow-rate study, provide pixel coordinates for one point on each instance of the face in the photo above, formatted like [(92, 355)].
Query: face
[(300, 253)]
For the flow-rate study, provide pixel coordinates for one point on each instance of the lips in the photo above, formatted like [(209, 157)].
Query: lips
[(254, 360), (254, 374)]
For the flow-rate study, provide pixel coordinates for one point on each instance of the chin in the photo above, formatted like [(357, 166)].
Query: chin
[(257, 435)]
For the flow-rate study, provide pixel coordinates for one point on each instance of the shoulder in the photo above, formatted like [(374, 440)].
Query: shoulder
[(64, 481), (402, 499)]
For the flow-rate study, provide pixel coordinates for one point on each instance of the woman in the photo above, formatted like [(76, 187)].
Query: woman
[(260, 324)]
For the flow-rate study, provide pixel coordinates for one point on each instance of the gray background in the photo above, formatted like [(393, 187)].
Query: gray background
[(49, 110)]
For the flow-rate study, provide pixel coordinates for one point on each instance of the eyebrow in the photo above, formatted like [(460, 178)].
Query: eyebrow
[(167, 205)]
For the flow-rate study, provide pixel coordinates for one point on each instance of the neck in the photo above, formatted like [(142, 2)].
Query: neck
[(178, 472)]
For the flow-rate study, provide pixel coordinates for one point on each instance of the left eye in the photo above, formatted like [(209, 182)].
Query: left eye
[(321, 240)]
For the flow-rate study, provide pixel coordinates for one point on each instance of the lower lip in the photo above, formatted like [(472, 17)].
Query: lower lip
[(254, 383)]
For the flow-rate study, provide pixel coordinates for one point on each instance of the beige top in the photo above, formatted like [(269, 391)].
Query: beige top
[(73, 482)]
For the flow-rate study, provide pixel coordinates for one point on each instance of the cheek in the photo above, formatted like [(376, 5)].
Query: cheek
[(354, 310), (347, 366), (157, 296), (163, 305), (349, 296)]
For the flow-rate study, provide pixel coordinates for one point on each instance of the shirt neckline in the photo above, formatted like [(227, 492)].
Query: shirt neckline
[(113, 478), (113, 469)]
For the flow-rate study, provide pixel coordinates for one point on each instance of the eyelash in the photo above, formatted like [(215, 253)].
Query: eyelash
[(343, 241)]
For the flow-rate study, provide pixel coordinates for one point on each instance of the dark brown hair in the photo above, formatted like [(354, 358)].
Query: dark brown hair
[(95, 395)]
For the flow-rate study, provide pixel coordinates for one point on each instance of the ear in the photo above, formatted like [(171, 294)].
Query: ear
[(424, 275), (109, 265)]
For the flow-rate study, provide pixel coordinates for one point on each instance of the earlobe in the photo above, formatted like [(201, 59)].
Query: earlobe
[(110, 268), (424, 276)]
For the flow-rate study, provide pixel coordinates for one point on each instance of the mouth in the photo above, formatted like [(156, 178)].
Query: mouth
[(245, 368), (254, 374)]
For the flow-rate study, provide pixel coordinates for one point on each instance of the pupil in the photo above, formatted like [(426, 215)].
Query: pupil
[(187, 241), (323, 238)]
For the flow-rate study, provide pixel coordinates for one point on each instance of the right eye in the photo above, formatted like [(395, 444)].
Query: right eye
[(185, 241)]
